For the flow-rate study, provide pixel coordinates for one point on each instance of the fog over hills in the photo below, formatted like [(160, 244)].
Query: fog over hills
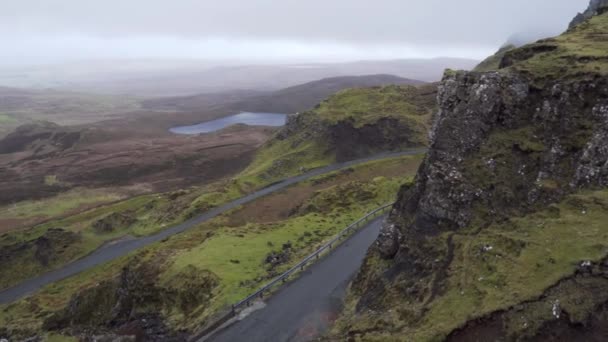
[(155, 48), (150, 78)]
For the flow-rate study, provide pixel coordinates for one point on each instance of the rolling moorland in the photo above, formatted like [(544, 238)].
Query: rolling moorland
[(267, 237), (498, 232), (134, 153), (503, 235), (22, 106)]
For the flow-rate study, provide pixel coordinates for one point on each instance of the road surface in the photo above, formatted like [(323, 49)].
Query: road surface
[(306, 308), (116, 250)]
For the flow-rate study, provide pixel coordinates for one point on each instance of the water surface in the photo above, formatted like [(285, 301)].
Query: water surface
[(251, 119)]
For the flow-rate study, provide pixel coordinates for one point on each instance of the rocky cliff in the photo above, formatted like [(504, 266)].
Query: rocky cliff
[(507, 214), (595, 7)]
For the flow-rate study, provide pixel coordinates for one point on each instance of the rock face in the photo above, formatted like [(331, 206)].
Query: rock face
[(595, 7), (505, 145), (387, 134), (500, 147)]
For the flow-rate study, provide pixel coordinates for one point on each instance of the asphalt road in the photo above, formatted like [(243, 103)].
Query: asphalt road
[(116, 250), (305, 308)]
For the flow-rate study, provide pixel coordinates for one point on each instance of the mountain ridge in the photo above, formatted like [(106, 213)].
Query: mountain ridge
[(288, 100)]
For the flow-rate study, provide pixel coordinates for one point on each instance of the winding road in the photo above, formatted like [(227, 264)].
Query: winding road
[(305, 308), (116, 250)]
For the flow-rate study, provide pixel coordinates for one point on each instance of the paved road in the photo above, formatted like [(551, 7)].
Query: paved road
[(305, 308), (119, 249)]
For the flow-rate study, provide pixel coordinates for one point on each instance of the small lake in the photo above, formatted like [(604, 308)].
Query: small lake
[(251, 119)]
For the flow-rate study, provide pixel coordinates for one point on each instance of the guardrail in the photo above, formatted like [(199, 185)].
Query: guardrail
[(299, 267)]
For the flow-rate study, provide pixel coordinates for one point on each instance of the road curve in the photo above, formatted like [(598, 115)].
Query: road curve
[(116, 250), (306, 308)]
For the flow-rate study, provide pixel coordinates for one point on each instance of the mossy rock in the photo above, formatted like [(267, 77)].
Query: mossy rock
[(114, 222)]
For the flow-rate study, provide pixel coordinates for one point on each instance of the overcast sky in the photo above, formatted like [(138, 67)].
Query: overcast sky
[(43, 31)]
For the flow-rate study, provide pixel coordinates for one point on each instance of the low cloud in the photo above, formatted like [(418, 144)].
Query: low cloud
[(41, 30)]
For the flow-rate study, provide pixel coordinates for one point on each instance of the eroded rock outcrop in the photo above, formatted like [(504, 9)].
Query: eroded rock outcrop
[(595, 7), (509, 149), (499, 147)]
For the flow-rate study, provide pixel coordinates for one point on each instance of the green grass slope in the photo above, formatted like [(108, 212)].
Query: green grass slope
[(350, 124), (182, 282), (502, 266), (493, 62), (579, 53)]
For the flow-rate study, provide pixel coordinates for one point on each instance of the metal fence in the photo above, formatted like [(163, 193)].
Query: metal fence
[(299, 267)]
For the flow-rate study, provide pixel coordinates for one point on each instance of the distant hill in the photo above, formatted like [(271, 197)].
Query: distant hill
[(306, 96), (158, 78), (21, 106), (8, 91), (290, 100)]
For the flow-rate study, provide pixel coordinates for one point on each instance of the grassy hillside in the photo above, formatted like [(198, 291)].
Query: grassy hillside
[(390, 118), (306, 96), (367, 106), (289, 100), (578, 53), (493, 62), (498, 268), (62, 107), (183, 281), (352, 123)]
